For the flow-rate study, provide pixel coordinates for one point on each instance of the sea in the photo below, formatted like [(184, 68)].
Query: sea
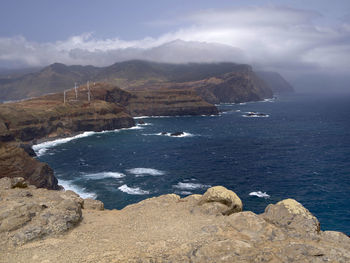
[(294, 146)]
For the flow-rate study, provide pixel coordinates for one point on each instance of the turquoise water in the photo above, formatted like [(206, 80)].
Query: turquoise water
[(301, 151)]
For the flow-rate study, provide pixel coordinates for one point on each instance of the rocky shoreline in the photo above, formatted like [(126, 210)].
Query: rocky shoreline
[(40, 225)]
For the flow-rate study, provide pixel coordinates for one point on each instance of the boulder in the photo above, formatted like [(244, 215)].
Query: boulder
[(218, 199), (291, 215), (177, 134), (9, 183), (28, 213), (92, 204)]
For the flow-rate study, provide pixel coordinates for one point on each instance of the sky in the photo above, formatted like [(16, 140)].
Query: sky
[(296, 38)]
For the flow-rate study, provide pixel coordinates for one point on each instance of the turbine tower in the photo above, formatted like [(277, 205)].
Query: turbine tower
[(76, 92), (88, 87)]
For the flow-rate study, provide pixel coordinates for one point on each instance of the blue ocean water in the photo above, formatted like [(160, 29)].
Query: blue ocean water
[(301, 151)]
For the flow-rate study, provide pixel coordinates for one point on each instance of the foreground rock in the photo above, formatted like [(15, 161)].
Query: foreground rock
[(15, 162), (171, 229), (27, 213)]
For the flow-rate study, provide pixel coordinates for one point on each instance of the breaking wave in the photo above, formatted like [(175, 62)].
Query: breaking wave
[(68, 185), (132, 191), (185, 134), (190, 186), (41, 148), (252, 114), (145, 171), (260, 194), (102, 175)]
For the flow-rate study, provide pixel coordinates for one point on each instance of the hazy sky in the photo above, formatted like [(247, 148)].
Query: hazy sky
[(292, 36)]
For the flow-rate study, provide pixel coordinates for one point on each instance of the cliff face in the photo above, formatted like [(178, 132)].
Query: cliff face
[(233, 87), (168, 103), (198, 228), (15, 162), (49, 117)]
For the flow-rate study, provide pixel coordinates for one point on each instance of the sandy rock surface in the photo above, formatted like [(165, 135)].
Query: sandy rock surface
[(171, 229)]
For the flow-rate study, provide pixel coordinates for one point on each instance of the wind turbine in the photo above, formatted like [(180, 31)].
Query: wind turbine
[(88, 87), (76, 92)]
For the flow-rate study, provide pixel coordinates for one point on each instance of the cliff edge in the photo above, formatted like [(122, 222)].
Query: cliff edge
[(39, 225)]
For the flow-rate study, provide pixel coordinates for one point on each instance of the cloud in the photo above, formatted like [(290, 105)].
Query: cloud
[(276, 38)]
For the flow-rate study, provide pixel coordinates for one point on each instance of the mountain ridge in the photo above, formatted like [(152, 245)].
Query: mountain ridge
[(127, 75)]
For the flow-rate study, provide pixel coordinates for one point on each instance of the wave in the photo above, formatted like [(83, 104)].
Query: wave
[(132, 191), (149, 117), (41, 148), (252, 114), (260, 194), (185, 134), (137, 127), (175, 116), (145, 171), (68, 185), (269, 100), (190, 186), (102, 175)]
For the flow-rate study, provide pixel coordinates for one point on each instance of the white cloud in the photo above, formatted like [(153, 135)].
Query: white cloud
[(278, 38)]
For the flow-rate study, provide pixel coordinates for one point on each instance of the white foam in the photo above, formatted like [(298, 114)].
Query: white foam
[(41, 148), (269, 100), (68, 185), (137, 127), (251, 114), (190, 186), (132, 191), (185, 134), (256, 116), (152, 117), (102, 175), (260, 194), (145, 171), (149, 117)]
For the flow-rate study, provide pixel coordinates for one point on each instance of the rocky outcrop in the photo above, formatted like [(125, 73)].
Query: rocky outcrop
[(220, 200), (48, 116), (291, 215), (161, 229), (28, 213), (15, 162), (233, 87), (168, 103)]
